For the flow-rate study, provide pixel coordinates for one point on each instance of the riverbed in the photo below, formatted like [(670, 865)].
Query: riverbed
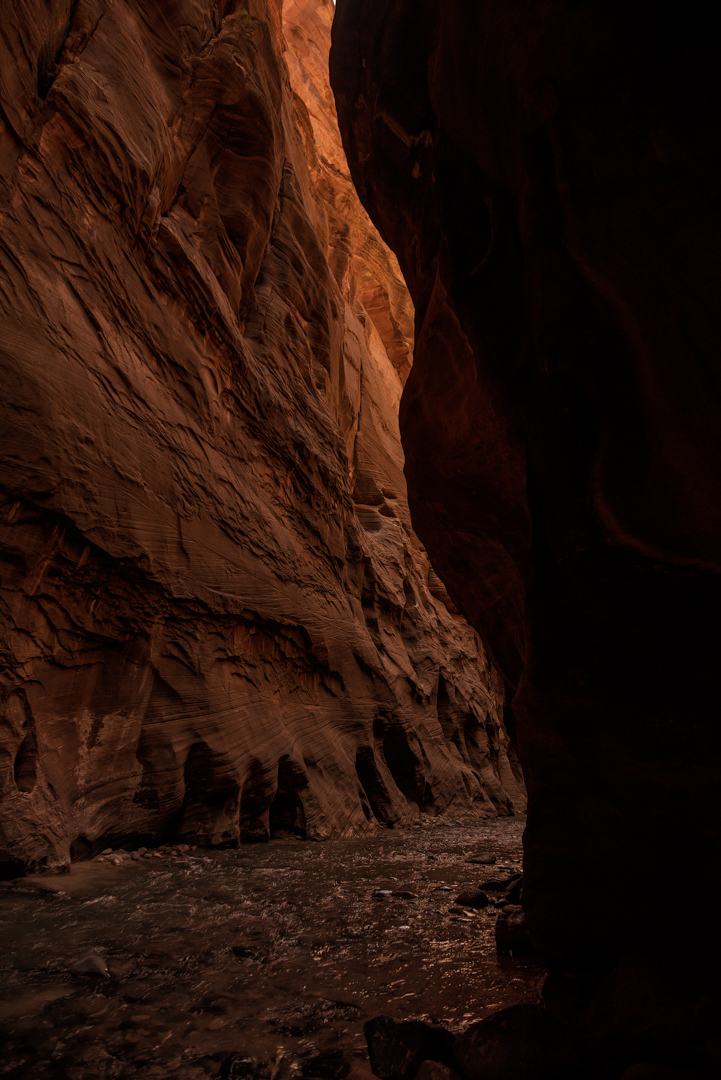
[(262, 961)]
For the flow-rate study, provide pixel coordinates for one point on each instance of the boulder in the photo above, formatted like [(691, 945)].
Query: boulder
[(398, 1049)]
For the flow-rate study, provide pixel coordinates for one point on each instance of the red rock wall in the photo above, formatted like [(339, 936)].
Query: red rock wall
[(548, 175), (215, 615)]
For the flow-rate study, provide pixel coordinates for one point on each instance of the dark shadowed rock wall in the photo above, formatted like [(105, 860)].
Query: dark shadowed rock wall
[(548, 175), (216, 619)]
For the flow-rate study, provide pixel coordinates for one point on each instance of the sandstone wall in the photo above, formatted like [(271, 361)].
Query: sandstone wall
[(548, 175), (215, 616)]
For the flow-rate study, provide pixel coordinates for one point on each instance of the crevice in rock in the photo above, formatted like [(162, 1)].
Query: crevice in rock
[(403, 764), (81, 848), (287, 813), (25, 766), (210, 807), (25, 763), (448, 717), (255, 803), (372, 787)]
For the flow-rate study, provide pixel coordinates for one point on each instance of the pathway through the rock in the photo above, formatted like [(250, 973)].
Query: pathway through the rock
[(277, 954)]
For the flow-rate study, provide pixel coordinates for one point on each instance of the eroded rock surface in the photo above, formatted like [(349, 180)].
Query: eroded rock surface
[(548, 175), (216, 620)]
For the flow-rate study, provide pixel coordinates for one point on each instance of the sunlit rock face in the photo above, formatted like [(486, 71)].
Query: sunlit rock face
[(548, 175), (216, 620)]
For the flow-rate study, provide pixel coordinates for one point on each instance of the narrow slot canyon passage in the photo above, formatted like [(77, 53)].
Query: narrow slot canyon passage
[(360, 543)]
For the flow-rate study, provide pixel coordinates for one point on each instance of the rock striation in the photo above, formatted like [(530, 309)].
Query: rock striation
[(217, 621), (548, 175)]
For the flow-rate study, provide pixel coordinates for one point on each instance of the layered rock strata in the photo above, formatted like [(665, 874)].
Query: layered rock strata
[(216, 619), (548, 176)]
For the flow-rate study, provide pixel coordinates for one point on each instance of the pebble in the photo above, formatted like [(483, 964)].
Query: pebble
[(107, 851)]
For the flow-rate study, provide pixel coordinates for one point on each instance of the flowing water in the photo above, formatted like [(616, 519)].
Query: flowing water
[(263, 961)]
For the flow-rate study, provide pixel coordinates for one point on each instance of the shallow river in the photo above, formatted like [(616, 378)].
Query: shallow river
[(262, 961)]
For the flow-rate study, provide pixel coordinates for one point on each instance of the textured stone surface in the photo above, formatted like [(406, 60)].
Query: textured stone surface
[(397, 1050), (548, 175), (211, 601)]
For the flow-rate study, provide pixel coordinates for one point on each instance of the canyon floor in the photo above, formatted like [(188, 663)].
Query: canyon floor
[(264, 960)]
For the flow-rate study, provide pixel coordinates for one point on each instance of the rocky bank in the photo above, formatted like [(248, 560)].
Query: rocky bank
[(217, 621)]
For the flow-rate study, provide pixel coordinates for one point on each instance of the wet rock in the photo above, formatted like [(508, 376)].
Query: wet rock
[(520, 1043), (436, 1070), (513, 893), (512, 936), (397, 1050), (472, 898), (93, 964), (494, 885)]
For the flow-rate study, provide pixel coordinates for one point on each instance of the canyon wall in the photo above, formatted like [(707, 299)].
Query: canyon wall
[(548, 175), (216, 618)]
